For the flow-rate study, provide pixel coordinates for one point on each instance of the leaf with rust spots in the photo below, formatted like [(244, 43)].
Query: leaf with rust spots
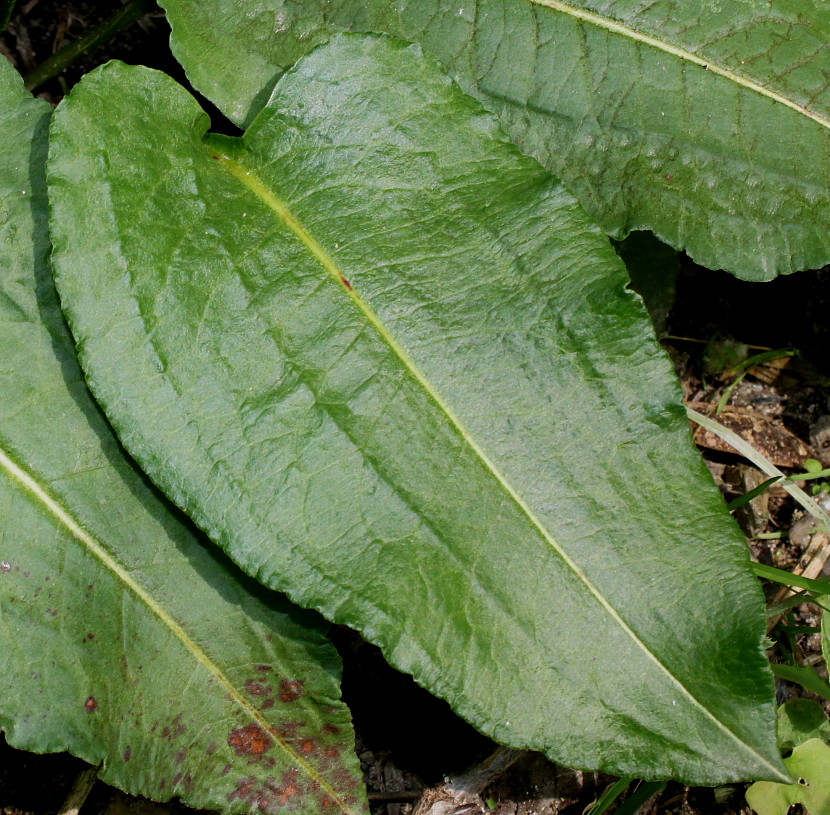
[(290, 690), (174, 631), (467, 452), (250, 740)]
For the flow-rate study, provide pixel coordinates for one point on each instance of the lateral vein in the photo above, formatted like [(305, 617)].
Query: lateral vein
[(18, 474), (626, 31), (250, 180)]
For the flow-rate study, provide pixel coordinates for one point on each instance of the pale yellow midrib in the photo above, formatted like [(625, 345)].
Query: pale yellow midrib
[(626, 31), (253, 183), (18, 474)]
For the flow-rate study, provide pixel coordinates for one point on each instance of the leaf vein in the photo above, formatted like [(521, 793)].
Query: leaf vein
[(655, 42), (249, 179), (26, 481)]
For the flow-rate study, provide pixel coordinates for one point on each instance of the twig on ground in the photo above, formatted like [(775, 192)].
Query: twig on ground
[(54, 65), (80, 791)]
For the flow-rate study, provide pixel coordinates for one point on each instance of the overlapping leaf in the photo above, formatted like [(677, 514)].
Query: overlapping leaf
[(708, 123), (389, 365), (122, 638)]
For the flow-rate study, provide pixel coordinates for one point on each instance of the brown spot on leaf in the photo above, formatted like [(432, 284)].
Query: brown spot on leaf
[(331, 728), (91, 705), (263, 668), (288, 730), (179, 757), (178, 727), (127, 753), (332, 752), (345, 283), (268, 703), (290, 690), (211, 748), (250, 740), (306, 746), (257, 688)]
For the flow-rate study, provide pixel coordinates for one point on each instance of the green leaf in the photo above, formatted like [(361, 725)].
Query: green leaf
[(122, 638), (392, 368), (703, 122), (805, 676), (800, 720), (810, 766)]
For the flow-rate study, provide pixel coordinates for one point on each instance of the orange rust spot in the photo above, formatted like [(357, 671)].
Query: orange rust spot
[(290, 690), (91, 705), (332, 752), (287, 792), (306, 746), (345, 283), (250, 740)]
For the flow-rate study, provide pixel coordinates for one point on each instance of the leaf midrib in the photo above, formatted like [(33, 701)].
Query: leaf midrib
[(24, 479), (282, 211), (616, 27)]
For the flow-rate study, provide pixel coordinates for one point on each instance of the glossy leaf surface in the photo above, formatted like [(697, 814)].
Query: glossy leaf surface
[(706, 123), (123, 639), (389, 365)]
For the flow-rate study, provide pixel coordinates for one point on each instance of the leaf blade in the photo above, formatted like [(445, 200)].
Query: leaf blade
[(124, 640), (337, 472), (614, 99)]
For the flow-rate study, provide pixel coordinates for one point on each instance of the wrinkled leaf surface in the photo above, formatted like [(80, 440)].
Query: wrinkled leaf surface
[(122, 638), (392, 368), (706, 122)]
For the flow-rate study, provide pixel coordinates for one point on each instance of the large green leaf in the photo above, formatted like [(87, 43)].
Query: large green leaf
[(122, 638), (391, 367), (702, 121)]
